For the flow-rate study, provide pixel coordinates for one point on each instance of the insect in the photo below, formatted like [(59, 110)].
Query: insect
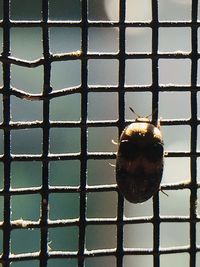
[(139, 164)]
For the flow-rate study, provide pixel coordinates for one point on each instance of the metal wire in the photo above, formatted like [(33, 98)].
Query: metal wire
[(43, 255)]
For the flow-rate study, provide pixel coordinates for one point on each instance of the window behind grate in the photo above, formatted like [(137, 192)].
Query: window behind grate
[(70, 70)]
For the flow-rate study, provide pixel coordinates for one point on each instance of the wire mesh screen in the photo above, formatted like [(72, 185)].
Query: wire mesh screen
[(70, 70)]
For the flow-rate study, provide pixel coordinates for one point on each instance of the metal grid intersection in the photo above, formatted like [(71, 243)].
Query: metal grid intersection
[(44, 223)]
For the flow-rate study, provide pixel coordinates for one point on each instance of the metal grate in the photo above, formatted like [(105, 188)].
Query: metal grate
[(85, 222)]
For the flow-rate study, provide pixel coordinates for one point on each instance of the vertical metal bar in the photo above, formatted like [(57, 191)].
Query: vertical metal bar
[(193, 145), (7, 137), (46, 129), (84, 133), (155, 99), (121, 120), (155, 82)]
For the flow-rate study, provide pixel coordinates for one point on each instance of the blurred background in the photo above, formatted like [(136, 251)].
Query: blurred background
[(26, 44)]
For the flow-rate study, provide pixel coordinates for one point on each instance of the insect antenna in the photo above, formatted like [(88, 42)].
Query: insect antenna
[(134, 112), (155, 110)]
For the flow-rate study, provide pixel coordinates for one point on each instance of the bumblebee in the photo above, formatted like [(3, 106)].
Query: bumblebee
[(140, 157)]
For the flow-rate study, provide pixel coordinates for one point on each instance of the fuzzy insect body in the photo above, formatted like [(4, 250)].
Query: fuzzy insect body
[(139, 164)]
